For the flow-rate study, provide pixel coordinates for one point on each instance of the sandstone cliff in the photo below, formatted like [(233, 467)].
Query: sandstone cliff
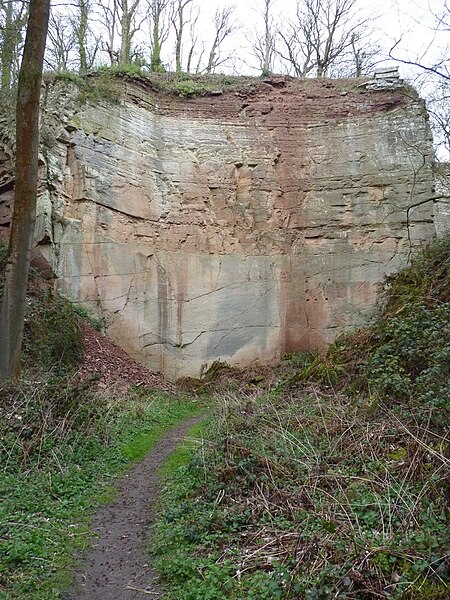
[(235, 226)]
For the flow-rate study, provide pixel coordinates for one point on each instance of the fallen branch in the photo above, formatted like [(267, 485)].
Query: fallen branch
[(141, 591)]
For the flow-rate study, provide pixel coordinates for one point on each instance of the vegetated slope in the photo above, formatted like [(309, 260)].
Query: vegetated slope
[(60, 337), (334, 483), (64, 438)]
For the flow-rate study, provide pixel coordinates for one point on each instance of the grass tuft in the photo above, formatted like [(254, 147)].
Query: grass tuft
[(334, 481)]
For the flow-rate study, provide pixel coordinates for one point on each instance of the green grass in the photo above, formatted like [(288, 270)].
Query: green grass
[(307, 497), (181, 456), (143, 442), (334, 482), (61, 452)]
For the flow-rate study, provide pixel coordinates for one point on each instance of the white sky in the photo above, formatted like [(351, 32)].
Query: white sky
[(410, 20)]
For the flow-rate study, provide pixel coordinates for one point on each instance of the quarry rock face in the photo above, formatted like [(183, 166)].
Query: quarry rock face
[(236, 226), (442, 203)]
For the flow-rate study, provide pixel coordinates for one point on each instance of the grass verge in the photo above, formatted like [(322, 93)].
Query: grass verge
[(62, 447), (182, 454), (297, 496), (335, 481)]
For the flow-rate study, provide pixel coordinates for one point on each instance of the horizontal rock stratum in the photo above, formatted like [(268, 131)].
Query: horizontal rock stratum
[(237, 225)]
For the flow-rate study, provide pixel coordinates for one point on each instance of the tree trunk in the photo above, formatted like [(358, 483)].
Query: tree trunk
[(22, 228), (268, 41), (155, 62), (178, 66), (81, 33), (125, 46)]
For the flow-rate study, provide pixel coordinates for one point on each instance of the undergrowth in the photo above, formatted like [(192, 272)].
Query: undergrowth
[(62, 444), (404, 356), (52, 336), (52, 333), (335, 482), (102, 84)]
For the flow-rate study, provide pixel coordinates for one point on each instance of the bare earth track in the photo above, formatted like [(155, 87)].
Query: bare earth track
[(116, 568)]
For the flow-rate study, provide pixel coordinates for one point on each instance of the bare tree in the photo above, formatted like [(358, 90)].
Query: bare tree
[(191, 46), (12, 310), (194, 42), (439, 67), (295, 46), (438, 103), (323, 32), (87, 42), (364, 54), (71, 41), (432, 74), (121, 21), (128, 28), (269, 36), (179, 20), (360, 58), (61, 42), (195, 46), (263, 43), (268, 45), (13, 18), (224, 27), (109, 18), (80, 25)]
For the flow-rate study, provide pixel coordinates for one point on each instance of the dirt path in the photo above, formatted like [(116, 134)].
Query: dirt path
[(116, 568)]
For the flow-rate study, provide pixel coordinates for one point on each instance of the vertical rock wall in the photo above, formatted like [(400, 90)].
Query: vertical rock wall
[(238, 226), (442, 202)]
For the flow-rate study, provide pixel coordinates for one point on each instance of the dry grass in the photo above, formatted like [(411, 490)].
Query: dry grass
[(345, 499)]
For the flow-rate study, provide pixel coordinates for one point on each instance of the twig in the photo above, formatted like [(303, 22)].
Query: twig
[(141, 591), (417, 64)]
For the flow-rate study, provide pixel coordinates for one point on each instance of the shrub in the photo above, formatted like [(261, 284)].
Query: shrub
[(52, 334), (335, 482)]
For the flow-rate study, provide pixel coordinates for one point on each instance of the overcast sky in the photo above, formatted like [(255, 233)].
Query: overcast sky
[(410, 20), (411, 23)]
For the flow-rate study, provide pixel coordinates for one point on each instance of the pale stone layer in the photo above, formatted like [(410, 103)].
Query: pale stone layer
[(238, 227)]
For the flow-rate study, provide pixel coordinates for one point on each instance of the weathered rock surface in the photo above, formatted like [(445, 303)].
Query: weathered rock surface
[(442, 202), (235, 227)]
